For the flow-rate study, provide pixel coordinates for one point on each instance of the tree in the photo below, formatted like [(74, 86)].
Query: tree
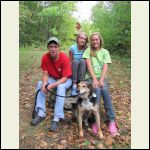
[(113, 21), (42, 19)]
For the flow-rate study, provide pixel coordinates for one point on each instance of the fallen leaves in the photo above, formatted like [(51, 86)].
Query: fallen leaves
[(93, 141), (100, 146), (108, 140), (43, 144), (55, 135), (60, 146)]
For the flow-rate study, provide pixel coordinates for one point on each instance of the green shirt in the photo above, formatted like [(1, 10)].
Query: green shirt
[(102, 57)]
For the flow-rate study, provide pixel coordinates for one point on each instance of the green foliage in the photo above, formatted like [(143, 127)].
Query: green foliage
[(42, 19), (113, 21), (86, 27)]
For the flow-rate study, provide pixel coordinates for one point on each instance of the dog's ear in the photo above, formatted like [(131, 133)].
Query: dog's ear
[(87, 83)]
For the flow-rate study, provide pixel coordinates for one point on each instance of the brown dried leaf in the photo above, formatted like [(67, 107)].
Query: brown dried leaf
[(100, 146), (60, 146), (91, 147), (43, 144), (108, 140), (93, 141), (63, 141), (55, 135)]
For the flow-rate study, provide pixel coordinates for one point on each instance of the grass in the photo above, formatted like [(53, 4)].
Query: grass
[(29, 59)]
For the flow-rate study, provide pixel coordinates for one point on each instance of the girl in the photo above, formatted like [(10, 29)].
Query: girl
[(97, 60), (78, 64)]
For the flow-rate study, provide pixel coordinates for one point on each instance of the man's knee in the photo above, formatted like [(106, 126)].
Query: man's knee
[(61, 87)]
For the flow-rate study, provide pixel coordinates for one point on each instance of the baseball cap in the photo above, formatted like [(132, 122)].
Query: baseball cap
[(53, 39)]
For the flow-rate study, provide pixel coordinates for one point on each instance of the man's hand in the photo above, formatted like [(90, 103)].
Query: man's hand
[(43, 88), (50, 86)]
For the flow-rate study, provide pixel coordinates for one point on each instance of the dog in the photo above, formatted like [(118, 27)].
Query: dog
[(87, 105)]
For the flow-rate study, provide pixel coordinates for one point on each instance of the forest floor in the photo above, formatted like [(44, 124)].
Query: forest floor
[(38, 137)]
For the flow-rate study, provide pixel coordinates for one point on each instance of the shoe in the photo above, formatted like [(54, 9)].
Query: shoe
[(94, 128), (74, 90), (113, 128), (37, 120), (54, 126)]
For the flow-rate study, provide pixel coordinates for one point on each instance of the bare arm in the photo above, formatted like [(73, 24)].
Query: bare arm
[(44, 80), (53, 85), (60, 81), (90, 69), (104, 71)]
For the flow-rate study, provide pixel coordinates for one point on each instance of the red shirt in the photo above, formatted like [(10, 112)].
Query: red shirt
[(57, 68)]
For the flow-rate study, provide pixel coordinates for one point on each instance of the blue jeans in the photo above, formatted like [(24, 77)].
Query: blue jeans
[(106, 98), (40, 107)]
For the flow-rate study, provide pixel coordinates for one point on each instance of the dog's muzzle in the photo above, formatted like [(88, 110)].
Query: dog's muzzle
[(81, 94)]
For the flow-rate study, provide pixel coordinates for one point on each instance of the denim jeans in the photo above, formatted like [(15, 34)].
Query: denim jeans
[(78, 70), (106, 98), (40, 107)]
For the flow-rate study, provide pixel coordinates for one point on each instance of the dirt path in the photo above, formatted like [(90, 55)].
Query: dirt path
[(36, 137)]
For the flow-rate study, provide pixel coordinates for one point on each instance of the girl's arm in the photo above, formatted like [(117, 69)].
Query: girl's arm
[(90, 69), (104, 71)]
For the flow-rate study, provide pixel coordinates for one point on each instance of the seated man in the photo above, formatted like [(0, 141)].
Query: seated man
[(57, 72)]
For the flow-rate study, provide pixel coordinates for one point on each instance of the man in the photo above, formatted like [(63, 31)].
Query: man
[(57, 72)]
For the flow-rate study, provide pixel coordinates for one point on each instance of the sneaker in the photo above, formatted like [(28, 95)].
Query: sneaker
[(54, 126), (37, 120), (113, 128), (94, 128), (74, 90)]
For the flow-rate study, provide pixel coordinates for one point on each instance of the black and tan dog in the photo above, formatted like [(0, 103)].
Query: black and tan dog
[(86, 103)]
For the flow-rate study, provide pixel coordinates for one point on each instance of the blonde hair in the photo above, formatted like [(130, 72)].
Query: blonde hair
[(83, 33), (92, 50)]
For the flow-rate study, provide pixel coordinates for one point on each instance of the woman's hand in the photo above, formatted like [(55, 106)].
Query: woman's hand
[(95, 83), (101, 82)]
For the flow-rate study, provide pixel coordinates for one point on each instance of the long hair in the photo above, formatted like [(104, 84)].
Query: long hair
[(83, 33), (92, 50)]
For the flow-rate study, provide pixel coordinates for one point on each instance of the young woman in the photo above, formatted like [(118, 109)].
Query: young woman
[(97, 60), (78, 64)]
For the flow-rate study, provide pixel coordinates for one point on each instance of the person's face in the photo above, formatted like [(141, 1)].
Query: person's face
[(95, 41), (54, 50), (81, 40)]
